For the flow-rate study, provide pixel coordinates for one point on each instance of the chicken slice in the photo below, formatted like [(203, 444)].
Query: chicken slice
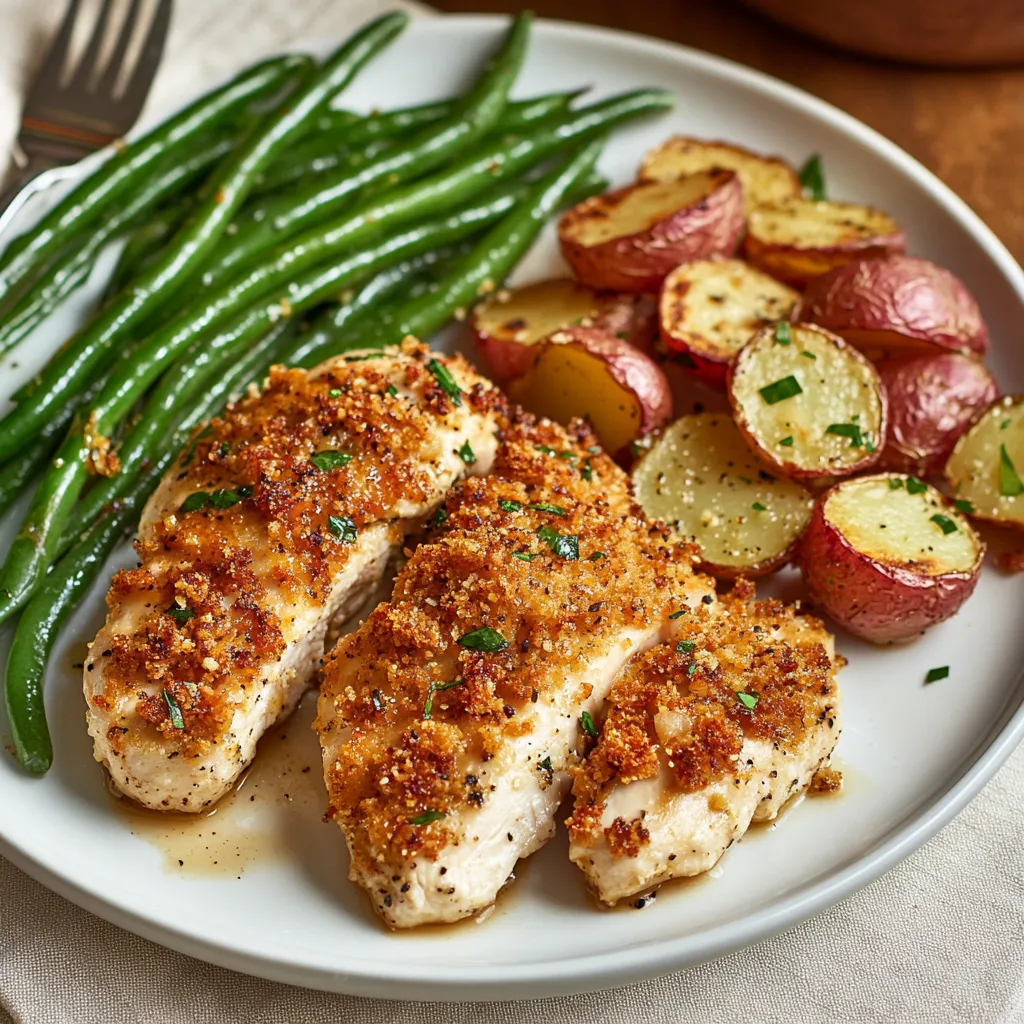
[(311, 487), (448, 718), (717, 727)]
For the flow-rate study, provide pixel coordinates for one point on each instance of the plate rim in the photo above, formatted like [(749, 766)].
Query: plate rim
[(596, 971)]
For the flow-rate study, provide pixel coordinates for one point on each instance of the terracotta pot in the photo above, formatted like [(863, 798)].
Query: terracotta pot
[(961, 33)]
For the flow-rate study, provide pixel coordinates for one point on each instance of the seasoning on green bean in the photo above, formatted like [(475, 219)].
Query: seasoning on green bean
[(93, 348), (86, 204)]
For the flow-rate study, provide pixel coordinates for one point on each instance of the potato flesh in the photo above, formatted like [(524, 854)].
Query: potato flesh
[(973, 470), (568, 382), (765, 179), (807, 224), (531, 313), (716, 306), (837, 386), (702, 479), (888, 524), (638, 209)]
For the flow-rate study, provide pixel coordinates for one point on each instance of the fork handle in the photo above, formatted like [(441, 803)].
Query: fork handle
[(22, 177)]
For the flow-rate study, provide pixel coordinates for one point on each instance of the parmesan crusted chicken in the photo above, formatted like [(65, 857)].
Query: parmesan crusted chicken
[(448, 718), (269, 531), (705, 733)]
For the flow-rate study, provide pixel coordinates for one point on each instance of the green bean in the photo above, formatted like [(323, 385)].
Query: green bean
[(471, 118), (501, 160), (55, 498), (92, 350), (73, 268), (86, 204), (145, 244)]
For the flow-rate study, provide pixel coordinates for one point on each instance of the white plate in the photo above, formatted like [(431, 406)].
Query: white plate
[(913, 755)]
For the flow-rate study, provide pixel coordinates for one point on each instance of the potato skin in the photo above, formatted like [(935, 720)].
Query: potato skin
[(932, 401), (639, 262), (869, 301), (880, 602)]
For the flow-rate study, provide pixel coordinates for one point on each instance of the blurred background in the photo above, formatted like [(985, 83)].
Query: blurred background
[(944, 79)]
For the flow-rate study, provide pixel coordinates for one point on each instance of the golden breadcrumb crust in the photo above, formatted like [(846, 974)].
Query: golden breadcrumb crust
[(676, 707), (403, 751), (217, 562)]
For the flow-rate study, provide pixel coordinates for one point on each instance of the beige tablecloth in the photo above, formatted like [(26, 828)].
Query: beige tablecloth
[(940, 939)]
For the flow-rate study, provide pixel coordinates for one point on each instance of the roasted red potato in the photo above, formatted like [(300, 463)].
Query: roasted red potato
[(931, 401), (797, 240), (628, 240), (585, 373), (700, 477), (508, 327), (808, 403), (709, 309), (765, 179), (887, 556), (986, 470), (898, 305)]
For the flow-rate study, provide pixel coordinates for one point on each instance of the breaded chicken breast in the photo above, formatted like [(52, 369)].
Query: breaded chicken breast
[(448, 718), (271, 528), (716, 727)]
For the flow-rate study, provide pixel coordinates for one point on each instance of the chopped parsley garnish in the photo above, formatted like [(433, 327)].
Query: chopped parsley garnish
[(596, 556), (685, 646), (565, 545), (944, 523), (748, 700), (850, 430), (392, 390), (221, 498), (679, 614), (444, 377), (467, 454), (587, 471), (963, 505), (786, 442), (812, 178), (483, 639), (545, 449), (330, 459), (588, 724), (179, 614), (895, 483), (508, 505), (427, 817), (758, 507), (1004, 424), (523, 556), (343, 528), (428, 706), (223, 449), (439, 518), (567, 455), (915, 486), (808, 355), (543, 506), (692, 669), (1009, 482), (780, 390), (334, 393), (545, 765), (194, 501), (935, 674), (782, 333), (224, 498), (173, 710)]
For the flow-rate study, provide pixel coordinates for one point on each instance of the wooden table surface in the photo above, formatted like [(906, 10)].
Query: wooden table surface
[(966, 126)]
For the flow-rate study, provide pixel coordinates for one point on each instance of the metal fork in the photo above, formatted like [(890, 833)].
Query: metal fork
[(70, 113)]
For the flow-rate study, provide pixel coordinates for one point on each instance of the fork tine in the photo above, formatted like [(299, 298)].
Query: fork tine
[(86, 69), (108, 80), (53, 65), (137, 89)]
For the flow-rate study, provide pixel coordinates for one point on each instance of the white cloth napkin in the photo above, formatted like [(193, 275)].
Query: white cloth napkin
[(940, 939)]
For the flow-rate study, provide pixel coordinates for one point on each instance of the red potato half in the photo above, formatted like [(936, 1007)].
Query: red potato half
[(899, 305), (807, 402), (701, 479), (709, 309), (629, 240), (765, 179), (986, 469), (584, 373), (885, 560), (508, 327), (931, 401), (797, 240)]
